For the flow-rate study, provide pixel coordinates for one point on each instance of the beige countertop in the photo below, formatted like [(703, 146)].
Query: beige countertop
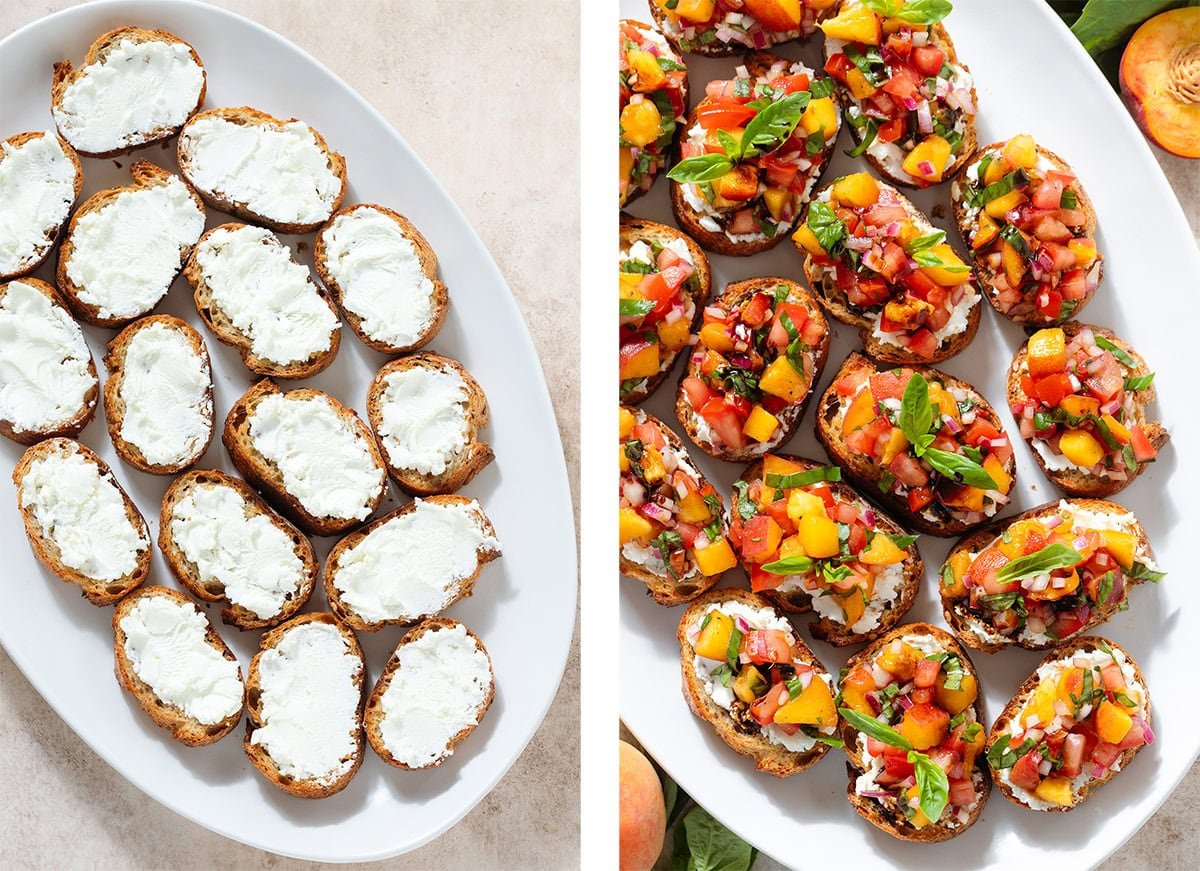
[(71, 802)]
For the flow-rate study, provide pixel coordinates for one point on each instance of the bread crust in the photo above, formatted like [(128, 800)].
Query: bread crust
[(266, 478), (373, 718), (228, 334), (457, 592), (961, 621), (52, 233), (799, 601), (475, 454), (429, 266), (865, 475), (1075, 482), (888, 817), (966, 225), (1005, 721), (258, 755), (145, 175), (97, 592), (187, 573), (634, 229), (183, 728), (247, 116), (65, 75), (767, 756), (114, 405), (74, 425), (834, 300), (939, 37), (756, 63), (789, 418)]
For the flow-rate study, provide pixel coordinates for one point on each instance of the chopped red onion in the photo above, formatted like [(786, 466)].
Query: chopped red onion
[(634, 492), (909, 103), (1053, 522), (743, 625), (951, 424), (876, 793), (1147, 732), (924, 117)]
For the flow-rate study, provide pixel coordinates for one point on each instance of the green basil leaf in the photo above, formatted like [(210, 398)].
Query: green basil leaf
[(901, 541), (636, 307), (872, 728), (932, 784), (916, 411), (1051, 557), (924, 12), (999, 601), (886, 8), (767, 130), (1068, 200), (734, 646), (1003, 755), (1142, 572), (867, 129), (793, 565), (711, 846), (705, 167), (1015, 179), (831, 740), (805, 478), (928, 258), (1141, 382), (1015, 238), (826, 226), (819, 89), (731, 145), (959, 468), (741, 501), (1106, 588), (922, 243), (1116, 351)]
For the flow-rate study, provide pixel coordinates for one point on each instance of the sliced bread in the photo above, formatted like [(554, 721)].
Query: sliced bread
[(40, 179)]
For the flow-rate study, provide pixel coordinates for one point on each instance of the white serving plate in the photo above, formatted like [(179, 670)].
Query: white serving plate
[(524, 606), (1032, 76)]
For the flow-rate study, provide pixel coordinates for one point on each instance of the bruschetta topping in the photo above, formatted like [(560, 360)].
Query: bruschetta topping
[(912, 103), (659, 285), (653, 101), (930, 442), (1044, 577), (793, 533), (1086, 711), (718, 26), (753, 361), (1025, 219), (1081, 404), (754, 150), (672, 520), (746, 662), (890, 263), (913, 707)]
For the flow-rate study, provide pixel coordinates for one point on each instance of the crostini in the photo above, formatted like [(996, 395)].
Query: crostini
[(1079, 395), (136, 86), (876, 263), (158, 399), (175, 665), (48, 381), (665, 283), (1032, 231), (80, 523), (432, 695), (673, 526), (761, 350), (654, 97), (40, 179), (1046, 575), (717, 28), (124, 246), (751, 154), (747, 674), (911, 725), (910, 103), (921, 443), (809, 542), (1071, 727)]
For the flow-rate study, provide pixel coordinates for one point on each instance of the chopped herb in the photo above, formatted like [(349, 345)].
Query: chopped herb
[(636, 307), (922, 243), (886, 480), (826, 226), (734, 647), (805, 478), (1051, 557), (872, 728), (1141, 382), (1121, 697), (1003, 755), (741, 502), (1106, 588), (1068, 200), (793, 565), (1116, 351), (821, 88), (1142, 572), (723, 673), (1012, 181)]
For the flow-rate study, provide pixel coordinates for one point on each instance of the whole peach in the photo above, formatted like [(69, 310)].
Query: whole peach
[(643, 811)]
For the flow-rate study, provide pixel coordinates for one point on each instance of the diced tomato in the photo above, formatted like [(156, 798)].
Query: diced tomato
[(928, 60), (962, 792), (1025, 772), (837, 65), (763, 710), (918, 283), (908, 470), (1048, 302), (798, 314), (919, 498), (668, 258), (698, 393), (743, 222), (766, 645), (673, 276), (891, 131), (927, 672), (1072, 217), (921, 695), (1072, 755), (649, 434), (858, 538), (725, 422), (755, 542), (893, 261), (924, 344), (1135, 737), (980, 431), (761, 579), (1104, 376), (982, 572), (904, 83), (1105, 754), (687, 532), (791, 84), (756, 310), (868, 292), (1073, 285), (773, 404), (1112, 677), (882, 214), (1143, 449), (861, 442), (889, 384), (780, 173), (877, 431), (1050, 229), (822, 492), (1066, 623), (900, 43), (778, 512), (723, 115), (740, 404), (721, 90), (1052, 389), (845, 513), (1048, 194), (898, 766)]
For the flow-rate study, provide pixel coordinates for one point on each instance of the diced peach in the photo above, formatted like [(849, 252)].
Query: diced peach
[(902, 663), (999, 474), (1004, 204), (819, 114), (693, 509), (1079, 406), (781, 379), (623, 462), (858, 189), (987, 230), (626, 422), (716, 336), (713, 642), (696, 11), (633, 526), (631, 285), (773, 465), (952, 272), (641, 363), (1084, 252), (1014, 264), (897, 444), (1121, 545), (855, 686), (761, 424), (1056, 790), (819, 536), (1021, 151), (997, 169), (715, 558), (854, 605), (1070, 684), (929, 159), (801, 503), (738, 185), (918, 820), (1047, 352), (925, 726), (1112, 722), (650, 76), (778, 201), (652, 465), (775, 14), (674, 335), (813, 707), (860, 413), (969, 499), (1159, 80), (953, 587), (806, 239), (626, 166), (882, 551), (791, 547), (640, 123), (1081, 448), (1040, 705), (1119, 431), (957, 701), (853, 24)]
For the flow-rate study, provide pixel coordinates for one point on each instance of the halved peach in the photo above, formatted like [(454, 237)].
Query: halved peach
[(1160, 80)]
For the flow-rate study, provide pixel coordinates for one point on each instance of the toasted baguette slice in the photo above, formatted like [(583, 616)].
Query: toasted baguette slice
[(124, 246), (714, 231), (151, 359), (198, 703), (436, 688), (215, 544), (334, 437), (41, 182), (426, 412), (384, 275), (750, 32), (1024, 311), (1075, 480), (823, 280), (885, 812), (975, 632), (678, 582), (107, 553), (280, 174), (257, 299), (147, 84), (935, 518), (48, 381), (285, 682), (736, 296), (409, 564), (694, 293), (734, 724), (891, 603), (641, 166), (1096, 652)]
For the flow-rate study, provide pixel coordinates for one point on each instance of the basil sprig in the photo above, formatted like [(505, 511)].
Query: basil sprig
[(1015, 179), (872, 728), (636, 307), (826, 226), (1116, 351), (741, 501), (1141, 382), (1042, 562), (805, 478), (1142, 572), (913, 11), (733, 648), (792, 565), (923, 243), (1003, 755), (932, 784), (917, 421)]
